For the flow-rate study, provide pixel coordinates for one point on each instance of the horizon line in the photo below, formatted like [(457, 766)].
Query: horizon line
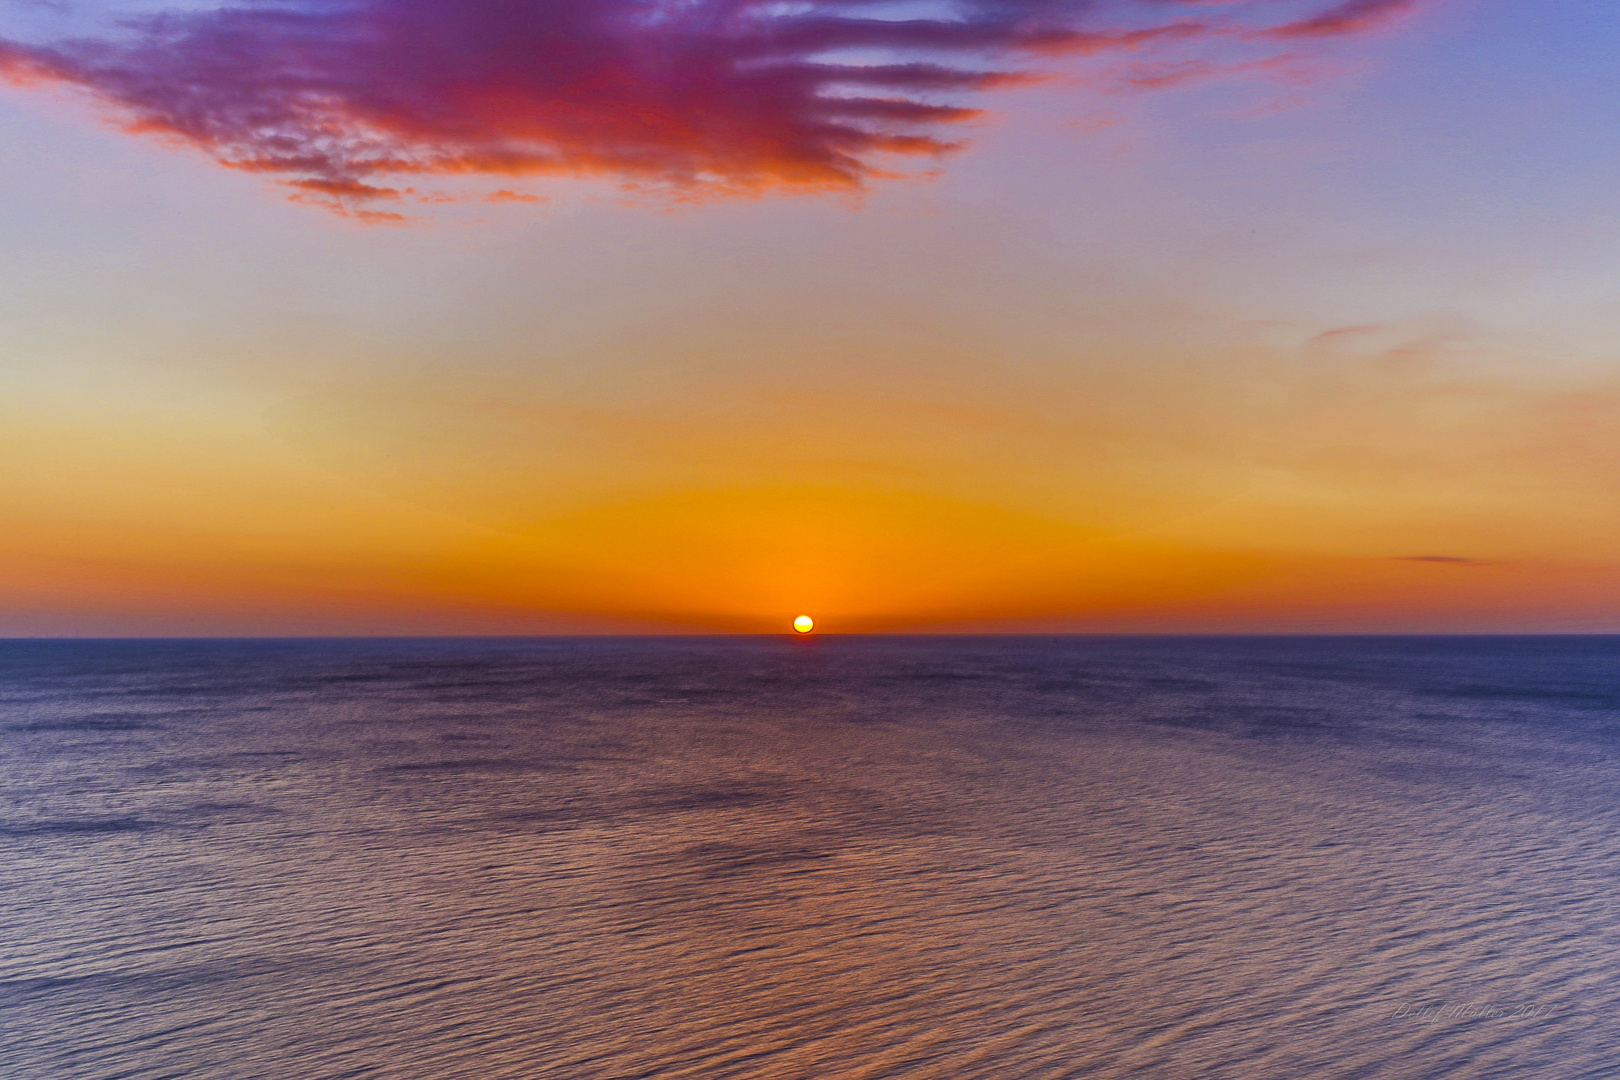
[(792, 636)]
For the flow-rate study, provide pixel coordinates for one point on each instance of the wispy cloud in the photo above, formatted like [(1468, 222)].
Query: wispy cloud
[(1353, 16), (343, 98), (1455, 560)]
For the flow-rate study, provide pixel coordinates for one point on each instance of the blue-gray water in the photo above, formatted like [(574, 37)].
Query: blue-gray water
[(825, 858)]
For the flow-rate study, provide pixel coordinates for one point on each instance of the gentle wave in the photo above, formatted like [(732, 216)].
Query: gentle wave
[(835, 857)]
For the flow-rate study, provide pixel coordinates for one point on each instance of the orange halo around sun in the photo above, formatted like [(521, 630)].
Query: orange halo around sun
[(804, 624)]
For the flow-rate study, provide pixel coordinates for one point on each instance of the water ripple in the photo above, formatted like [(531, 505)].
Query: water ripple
[(853, 858)]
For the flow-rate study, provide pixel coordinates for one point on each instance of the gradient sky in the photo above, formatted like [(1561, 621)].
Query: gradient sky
[(1166, 316)]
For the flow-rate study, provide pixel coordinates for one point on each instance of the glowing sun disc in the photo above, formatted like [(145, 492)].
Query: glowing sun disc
[(804, 624)]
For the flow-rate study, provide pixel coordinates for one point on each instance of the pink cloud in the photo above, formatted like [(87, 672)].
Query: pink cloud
[(342, 98), (1350, 17)]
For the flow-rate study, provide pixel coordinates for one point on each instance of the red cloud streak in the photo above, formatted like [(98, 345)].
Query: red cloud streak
[(338, 96)]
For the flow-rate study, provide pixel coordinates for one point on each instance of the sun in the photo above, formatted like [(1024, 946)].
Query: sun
[(804, 624)]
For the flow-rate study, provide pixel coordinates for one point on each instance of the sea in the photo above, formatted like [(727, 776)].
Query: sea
[(828, 858)]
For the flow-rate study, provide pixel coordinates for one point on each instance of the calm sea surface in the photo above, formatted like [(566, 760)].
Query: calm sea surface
[(824, 858)]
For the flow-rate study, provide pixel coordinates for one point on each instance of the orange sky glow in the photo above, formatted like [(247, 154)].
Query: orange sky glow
[(1249, 351)]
